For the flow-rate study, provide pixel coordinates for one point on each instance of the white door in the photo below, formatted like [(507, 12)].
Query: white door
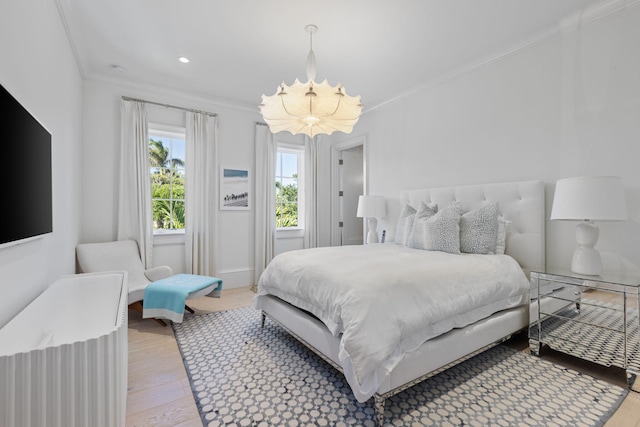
[(351, 186)]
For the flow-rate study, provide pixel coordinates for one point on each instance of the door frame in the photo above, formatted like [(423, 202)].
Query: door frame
[(336, 149)]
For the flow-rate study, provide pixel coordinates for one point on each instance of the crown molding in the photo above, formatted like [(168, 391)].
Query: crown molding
[(570, 23), (174, 93), (72, 46), (595, 12), (127, 84)]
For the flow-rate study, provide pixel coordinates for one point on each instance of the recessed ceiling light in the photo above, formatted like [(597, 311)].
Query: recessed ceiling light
[(183, 59), (119, 68)]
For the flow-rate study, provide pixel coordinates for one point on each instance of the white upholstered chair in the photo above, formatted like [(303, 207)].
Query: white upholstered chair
[(121, 256)]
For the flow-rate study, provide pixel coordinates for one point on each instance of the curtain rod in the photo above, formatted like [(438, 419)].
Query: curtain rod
[(191, 110)]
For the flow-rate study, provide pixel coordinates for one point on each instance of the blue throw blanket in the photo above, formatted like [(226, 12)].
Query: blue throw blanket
[(166, 298)]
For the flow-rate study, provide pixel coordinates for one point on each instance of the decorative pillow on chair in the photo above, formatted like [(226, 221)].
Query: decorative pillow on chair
[(501, 240), (419, 223), (405, 224), (479, 230), (441, 232)]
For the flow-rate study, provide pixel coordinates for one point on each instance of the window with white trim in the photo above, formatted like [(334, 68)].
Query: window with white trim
[(289, 187), (167, 171)]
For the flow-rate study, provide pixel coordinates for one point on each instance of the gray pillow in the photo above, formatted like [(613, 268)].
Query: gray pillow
[(405, 224), (419, 223), (442, 231), (479, 230)]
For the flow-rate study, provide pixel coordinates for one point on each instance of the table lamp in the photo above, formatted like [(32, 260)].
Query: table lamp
[(589, 199), (371, 207)]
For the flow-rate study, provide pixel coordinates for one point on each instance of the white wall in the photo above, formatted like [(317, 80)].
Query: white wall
[(566, 106), (39, 70), (101, 135)]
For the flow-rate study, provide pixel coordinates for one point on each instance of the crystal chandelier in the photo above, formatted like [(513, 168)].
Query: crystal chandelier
[(311, 108)]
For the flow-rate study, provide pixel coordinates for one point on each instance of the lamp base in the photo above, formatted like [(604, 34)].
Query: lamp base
[(586, 259), (372, 235)]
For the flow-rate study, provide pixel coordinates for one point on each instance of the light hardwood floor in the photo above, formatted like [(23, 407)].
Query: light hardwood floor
[(160, 395)]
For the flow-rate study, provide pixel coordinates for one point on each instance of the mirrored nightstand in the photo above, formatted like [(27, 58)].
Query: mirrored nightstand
[(591, 317)]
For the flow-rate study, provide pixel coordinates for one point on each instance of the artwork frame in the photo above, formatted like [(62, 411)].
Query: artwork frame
[(235, 189)]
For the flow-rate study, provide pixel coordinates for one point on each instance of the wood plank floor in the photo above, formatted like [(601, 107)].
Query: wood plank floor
[(160, 395)]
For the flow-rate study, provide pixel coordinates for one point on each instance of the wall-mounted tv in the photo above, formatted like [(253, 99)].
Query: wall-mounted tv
[(25, 174)]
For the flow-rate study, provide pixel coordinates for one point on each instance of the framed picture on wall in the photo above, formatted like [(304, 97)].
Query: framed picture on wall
[(234, 189)]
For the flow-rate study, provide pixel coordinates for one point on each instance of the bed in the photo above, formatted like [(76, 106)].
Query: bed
[(375, 314)]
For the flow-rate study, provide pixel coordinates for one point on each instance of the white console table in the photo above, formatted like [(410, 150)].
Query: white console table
[(63, 359)]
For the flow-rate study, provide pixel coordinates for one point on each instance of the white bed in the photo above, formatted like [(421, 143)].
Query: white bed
[(522, 203)]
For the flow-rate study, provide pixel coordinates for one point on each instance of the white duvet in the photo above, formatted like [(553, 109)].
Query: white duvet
[(387, 299)]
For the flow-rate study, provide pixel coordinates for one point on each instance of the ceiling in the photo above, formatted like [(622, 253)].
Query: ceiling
[(240, 49)]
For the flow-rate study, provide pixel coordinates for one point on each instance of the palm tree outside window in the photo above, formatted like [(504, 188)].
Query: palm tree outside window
[(289, 191), (167, 170)]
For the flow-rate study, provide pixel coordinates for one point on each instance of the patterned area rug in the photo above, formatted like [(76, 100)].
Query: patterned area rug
[(242, 375)]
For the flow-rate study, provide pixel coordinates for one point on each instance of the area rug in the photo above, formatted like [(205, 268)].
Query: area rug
[(243, 375)]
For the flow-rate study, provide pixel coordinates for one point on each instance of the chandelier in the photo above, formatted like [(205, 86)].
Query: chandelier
[(311, 108)]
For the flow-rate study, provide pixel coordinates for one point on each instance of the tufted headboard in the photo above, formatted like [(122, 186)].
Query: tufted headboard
[(522, 203)]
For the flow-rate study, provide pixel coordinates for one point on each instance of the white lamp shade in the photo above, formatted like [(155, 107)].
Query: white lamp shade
[(292, 109), (371, 207), (594, 198)]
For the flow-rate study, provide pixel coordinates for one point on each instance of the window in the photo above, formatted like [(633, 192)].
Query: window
[(289, 188), (166, 165)]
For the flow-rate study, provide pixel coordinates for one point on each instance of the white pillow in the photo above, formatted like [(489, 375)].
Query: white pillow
[(479, 230), (405, 224), (501, 239), (442, 230), (419, 222)]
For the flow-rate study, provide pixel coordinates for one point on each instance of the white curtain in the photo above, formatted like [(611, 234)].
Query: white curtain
[(201, 193), (265, 203), (311, 192), (134, 208)]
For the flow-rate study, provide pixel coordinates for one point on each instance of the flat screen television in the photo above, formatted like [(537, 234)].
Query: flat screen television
[(25, 174)]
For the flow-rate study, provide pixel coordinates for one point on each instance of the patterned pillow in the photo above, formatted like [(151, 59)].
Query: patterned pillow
[(442, 231), (501, 240), (417, 231), (479, 230), (405, 224)]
